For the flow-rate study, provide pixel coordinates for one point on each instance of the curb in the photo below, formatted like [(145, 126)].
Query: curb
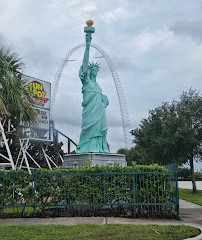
[(199, 237)]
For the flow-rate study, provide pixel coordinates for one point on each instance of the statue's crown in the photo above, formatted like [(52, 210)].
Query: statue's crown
[(92, 65)]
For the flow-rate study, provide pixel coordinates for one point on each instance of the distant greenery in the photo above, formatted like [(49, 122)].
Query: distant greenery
[(184, 174), (97, 232), (131, 156), (198, 176), (186, 194), (171, 133)]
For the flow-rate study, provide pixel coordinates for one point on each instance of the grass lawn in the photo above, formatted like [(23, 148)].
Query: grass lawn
[(186, 194), (97, 232)]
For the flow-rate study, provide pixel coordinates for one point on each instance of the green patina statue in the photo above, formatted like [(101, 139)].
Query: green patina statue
[(94, 127)]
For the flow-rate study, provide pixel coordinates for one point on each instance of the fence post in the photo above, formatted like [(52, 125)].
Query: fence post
[(34, 194), (134, 202), (177, 190)]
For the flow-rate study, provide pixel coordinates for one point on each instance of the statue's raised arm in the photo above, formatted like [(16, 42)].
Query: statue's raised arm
[(88, 30)]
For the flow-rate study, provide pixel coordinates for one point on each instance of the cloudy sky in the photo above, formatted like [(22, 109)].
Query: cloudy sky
[(155, 45)]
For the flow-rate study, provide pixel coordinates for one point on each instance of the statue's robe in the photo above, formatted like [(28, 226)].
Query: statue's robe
[(94, 127)]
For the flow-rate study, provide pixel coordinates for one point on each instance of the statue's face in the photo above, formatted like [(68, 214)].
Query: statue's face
[(94, 72)]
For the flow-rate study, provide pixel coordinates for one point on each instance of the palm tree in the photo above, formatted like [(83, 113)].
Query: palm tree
[(2, 107), (14, 94)]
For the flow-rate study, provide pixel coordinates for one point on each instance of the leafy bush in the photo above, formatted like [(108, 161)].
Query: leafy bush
[(98, 187)]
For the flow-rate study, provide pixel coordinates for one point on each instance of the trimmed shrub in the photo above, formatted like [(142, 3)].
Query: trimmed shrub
[(100, 187)]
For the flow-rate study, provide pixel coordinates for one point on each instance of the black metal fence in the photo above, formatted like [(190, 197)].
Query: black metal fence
[(129, 192)]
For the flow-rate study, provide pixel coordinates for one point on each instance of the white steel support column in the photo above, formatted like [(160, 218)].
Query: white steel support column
[(24, 145), (9, 158), (24, 154)]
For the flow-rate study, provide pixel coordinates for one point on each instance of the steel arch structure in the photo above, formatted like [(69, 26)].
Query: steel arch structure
[(119, 89)]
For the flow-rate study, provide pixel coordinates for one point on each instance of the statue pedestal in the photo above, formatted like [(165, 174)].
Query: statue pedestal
[(91, 159)]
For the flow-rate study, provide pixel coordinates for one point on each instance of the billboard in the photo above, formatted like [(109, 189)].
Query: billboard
[(40, 92)]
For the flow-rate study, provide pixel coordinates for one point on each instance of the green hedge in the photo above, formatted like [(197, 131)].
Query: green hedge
[(98, 186)]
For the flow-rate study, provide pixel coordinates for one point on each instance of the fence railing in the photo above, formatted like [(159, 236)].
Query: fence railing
[(138, 191)]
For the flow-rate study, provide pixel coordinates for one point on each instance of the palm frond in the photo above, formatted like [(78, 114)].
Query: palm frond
[(11, 59), (15, 93), (3, 110)]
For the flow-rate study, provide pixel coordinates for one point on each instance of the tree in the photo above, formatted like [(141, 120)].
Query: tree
[(184, 174), (14, 94), (132, 155), (172, 132), (189, 110)]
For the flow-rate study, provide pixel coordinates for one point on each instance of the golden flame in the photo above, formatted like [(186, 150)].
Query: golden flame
[(89, 22)]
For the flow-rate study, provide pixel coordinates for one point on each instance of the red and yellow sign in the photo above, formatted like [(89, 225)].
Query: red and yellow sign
[(37, 93)]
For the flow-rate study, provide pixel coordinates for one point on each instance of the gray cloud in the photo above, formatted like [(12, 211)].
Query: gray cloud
[(2, 40), (189, 27)]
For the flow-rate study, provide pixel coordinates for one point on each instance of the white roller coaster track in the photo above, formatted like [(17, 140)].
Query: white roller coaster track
[(119, 89)]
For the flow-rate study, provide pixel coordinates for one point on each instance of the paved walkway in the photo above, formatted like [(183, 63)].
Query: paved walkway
[(188, 184), (190, 214)]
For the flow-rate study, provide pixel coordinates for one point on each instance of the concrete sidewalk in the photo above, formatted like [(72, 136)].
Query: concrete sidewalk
[(190, 214)]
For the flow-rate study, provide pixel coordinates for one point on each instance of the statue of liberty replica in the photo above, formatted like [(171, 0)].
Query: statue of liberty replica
[(94, 127), (92, 148)]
